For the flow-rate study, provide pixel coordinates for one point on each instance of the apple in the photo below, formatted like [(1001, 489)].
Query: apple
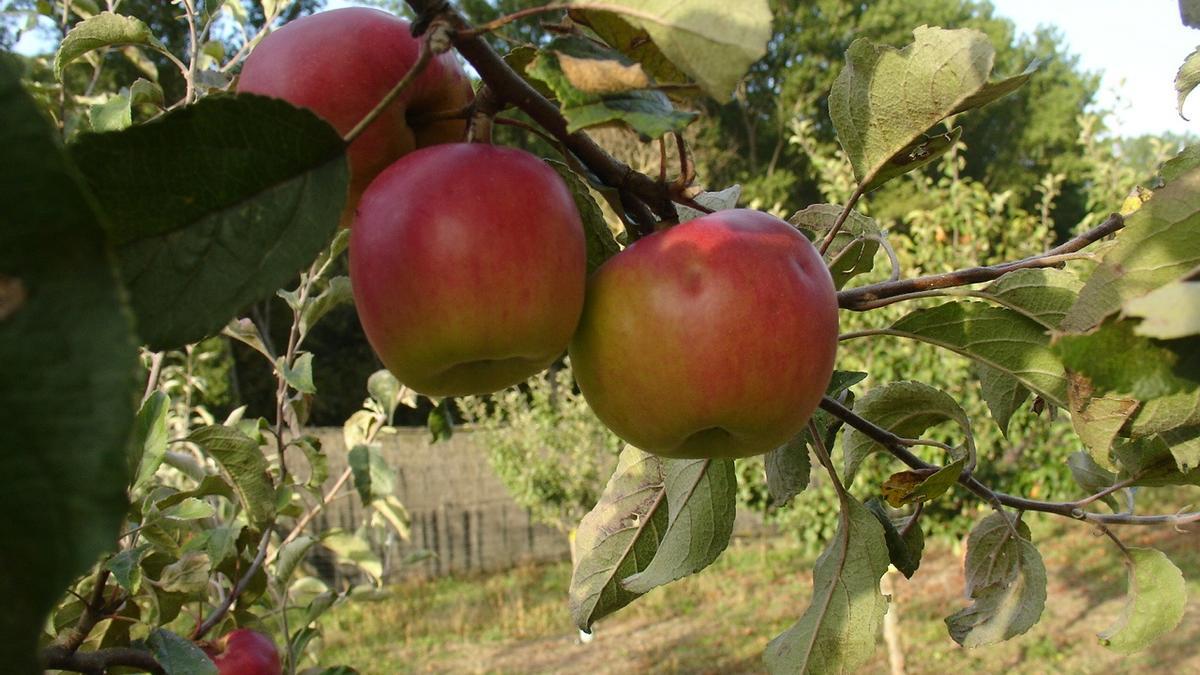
[(712, 338), (468, 266), (340, 64), (245, 652)]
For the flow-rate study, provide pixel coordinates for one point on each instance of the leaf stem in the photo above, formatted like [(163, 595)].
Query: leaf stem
[(220, 610), (841, 219)]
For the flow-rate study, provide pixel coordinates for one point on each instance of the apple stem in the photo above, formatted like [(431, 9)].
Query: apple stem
[(437, 40)]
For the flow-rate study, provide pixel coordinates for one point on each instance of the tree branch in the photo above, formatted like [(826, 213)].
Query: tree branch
[(867, 297), (219, 612), (638, 191), (898, 447), (99, 661)]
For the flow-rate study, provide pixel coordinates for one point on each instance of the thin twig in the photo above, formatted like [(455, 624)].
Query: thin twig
[(866, 297), (312, 513), (837, 224), (214, 617), (896, 445)]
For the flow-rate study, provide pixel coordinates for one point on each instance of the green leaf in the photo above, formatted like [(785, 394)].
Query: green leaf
[(837, 632), (701, 495), (246, 467), (1153, 463), (1171, 311), (68, 391), (336, 294), (178, 655), (126, 567), (1044, 295), (387, 391), (1180, 164), (373, 478), (440, 422), (290, 556), (300, 375), (851, 253), (194, 252), (596, 85), (1002, 393), (712, 41), (995, 336), (1186, 79), (601, 245), (189, 509), (187, 575), (103, 30), (619, 537), (149, 442), (1097, 419), (1158, 245), (1092, 477), (993, 91), (1156, 604), (904, 550), (885, 99), (926, 149), (246, 332), (1006, 580), (637, 45), (788, 469), (114, 114), (1147, 368), (1189, 12), (906, 409)]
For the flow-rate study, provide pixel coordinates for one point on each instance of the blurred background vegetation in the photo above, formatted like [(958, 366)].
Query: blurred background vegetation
[(1031, 169)]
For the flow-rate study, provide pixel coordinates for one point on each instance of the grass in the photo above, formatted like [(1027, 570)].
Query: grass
[(720, 620)]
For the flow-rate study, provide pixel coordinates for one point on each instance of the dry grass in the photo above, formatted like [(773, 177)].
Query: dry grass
[(720, 620)]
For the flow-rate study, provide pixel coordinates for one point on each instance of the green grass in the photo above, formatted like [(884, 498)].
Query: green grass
[(720, 620)]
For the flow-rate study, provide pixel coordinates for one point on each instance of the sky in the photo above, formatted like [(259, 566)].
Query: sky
[(1137, 45)]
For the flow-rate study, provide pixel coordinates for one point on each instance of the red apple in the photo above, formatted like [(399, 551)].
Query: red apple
[(340, 64), (712, 338), (245, 652), (468, 266)]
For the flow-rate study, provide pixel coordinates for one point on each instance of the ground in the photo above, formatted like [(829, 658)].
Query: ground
[(720, 620)]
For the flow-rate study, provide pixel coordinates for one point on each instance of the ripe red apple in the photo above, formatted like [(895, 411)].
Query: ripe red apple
[(468, 266), (245, 652), (712, 338), (340, 64)]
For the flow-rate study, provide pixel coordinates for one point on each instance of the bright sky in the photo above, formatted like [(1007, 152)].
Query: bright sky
[(1137, 46)]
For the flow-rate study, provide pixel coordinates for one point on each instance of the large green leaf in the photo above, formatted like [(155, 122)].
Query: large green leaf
[(713, 41), (215, 206), (103, 30), (1147, 368), (700, 507), (1006, 580), (1044, 295), (998, 337), (243, 462), (619, 537), (68, 391), (1158, 245), (906, 409), (1157, 600), (885, 99), (595, 85), (1168, 312), (836, 634)]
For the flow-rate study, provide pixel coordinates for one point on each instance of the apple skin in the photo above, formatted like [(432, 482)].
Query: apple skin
[(340, 64), (245, 652), (713, 338), (468, 265)]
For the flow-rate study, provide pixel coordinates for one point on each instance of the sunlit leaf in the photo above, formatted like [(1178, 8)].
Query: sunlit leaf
[(1156, 603)]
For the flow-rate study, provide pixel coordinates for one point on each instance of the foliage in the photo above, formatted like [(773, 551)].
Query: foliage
[(163, 218), (546, 445)]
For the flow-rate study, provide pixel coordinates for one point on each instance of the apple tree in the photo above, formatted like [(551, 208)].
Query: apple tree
[(136, 527)]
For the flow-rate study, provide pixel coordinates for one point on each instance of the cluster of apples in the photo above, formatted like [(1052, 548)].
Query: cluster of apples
[(711, 338)]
